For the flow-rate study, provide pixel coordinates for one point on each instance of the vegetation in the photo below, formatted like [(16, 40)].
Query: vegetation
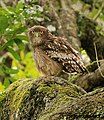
[(16, 59), (17, 67)]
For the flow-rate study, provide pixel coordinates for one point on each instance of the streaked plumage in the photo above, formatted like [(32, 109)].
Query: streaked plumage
[(54, 55)]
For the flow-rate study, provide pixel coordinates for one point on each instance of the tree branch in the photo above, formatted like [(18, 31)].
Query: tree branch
[(91, 80)]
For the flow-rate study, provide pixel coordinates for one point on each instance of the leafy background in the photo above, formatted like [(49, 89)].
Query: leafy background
[(16, 58)]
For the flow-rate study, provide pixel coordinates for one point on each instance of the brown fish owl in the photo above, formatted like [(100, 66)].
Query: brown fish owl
[(54, 55)]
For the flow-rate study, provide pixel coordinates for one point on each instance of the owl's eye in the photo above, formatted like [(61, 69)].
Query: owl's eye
[(41, 33), (31, 32)]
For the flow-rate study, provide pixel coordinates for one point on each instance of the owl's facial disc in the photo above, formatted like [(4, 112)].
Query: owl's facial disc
[(36, 39), (37, 35)]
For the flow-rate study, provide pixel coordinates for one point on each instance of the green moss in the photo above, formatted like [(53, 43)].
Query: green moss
[(28, 98), (14, 95)]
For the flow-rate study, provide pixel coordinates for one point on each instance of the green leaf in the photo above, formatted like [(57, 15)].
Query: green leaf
[(3, 23), (8, 70), (19, 43), (22, 37), (9, 43), (1, 71), (1, 89), (14, 53), (3, 11), (19, 7), (19, 30), (6, 82), (0, 47)]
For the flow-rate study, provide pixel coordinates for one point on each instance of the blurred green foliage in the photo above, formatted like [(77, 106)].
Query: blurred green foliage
[(16, 60)]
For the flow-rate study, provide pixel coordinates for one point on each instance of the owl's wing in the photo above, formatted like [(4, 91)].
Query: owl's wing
[(62, 52), (69, 61)]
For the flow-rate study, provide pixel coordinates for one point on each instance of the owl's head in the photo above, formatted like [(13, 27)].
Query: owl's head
[(37, 34)]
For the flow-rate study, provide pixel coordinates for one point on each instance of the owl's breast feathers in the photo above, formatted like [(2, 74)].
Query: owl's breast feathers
[(45, 64)]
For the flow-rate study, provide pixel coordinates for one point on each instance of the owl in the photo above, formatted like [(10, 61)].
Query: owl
[(54, 55)]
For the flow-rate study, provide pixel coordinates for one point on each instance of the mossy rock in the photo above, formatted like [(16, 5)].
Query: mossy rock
[(86, 107), (28, 99)]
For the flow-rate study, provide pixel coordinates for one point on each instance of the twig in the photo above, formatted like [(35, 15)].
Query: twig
[(65, 4), (3, 5), (98, 60), (100, 10)]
